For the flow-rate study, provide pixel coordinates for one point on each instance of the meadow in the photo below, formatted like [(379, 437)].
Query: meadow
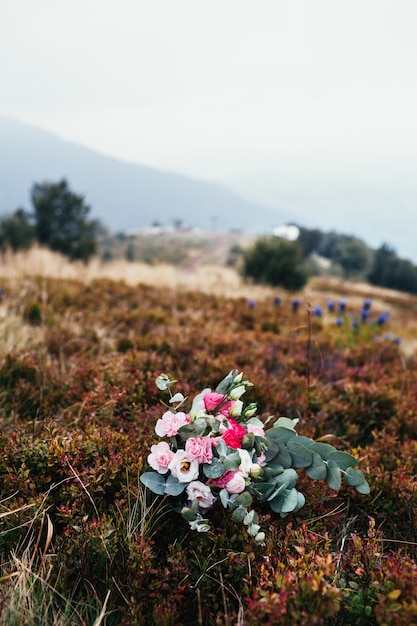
[(82, 542)]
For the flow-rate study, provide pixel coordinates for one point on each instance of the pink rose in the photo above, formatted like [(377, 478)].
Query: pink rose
[(224, 478), (184, 467), (236, 484), (256, 430), (234, 434), (170, 423), (199, 448), (212, 400), (160, 457), (197, 490)]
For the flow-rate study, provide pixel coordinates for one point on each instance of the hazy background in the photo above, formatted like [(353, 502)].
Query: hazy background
[(308, 107)]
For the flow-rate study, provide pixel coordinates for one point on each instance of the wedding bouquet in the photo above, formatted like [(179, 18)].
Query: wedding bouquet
[(221, 451)]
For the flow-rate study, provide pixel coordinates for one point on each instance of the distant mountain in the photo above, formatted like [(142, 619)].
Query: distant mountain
[(122, 195)]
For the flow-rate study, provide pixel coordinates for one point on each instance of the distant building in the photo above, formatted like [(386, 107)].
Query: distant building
[(290, 232)]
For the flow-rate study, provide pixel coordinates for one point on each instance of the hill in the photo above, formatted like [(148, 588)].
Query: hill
[(122, 195)]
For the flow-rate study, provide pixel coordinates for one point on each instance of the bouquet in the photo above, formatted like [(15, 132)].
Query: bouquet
[(221, 451)]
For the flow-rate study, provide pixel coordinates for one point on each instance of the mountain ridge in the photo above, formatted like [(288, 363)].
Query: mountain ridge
[(123, 195)]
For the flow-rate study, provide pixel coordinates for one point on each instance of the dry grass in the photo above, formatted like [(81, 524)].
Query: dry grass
[(209, 279)]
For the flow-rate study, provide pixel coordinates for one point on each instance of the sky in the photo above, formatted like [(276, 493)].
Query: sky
[(224, 90)]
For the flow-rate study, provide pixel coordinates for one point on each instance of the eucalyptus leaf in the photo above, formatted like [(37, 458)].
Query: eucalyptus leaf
[(333, 477), (301, 456), (278, 491), (232, 461), (154, 481), (272, 470), (306, 441), (353, 477), (283, 457), (263, 490), (227, 382), (244, 499), (224, 497), (271, 451), (300, 501), (290, 501), (286, 422), (343, 459), (189, 514), (363, 488), (323, 449), (200, 425), (214, 469), (317, 470), (279, 433), (239, 514), (173, 487)]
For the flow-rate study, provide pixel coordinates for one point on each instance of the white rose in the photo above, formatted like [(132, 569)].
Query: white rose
[(236, 408), (197, 490), (245, 462), (184, 467)]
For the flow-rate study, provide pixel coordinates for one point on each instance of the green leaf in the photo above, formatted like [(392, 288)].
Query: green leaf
[(263, 490), (354, 477), (239, 514), (300, 501), (154, 481), (227, 382), (278, 491), (173, 487), (187, 431), (301, 456), (163, 382), (334, 477), (343, 459), (317, 470), (290, 501), (272, 470), (189, 514), (214, 469), (323, 449), (232, 461), (306, 441), (244, 499), (286, 422), (200, 425), (281, 434), (283, 457), (363, 488)]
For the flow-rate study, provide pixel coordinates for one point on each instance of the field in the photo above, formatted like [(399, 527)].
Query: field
[(83, 542)]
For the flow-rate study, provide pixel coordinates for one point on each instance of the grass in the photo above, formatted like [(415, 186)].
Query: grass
[(82, 541)]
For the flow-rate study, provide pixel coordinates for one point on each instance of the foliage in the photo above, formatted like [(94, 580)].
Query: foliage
[(61, 223), (83, 541), (275, 261), (16, 231), (220, 451)]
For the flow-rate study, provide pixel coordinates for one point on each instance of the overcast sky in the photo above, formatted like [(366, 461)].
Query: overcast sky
[(214, 88)]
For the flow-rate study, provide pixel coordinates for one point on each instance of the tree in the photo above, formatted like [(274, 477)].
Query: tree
[(353, 256), (61, 220), (275, 261), (16, 230)]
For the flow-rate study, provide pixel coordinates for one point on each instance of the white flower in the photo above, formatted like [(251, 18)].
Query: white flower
[(236, 408), (197, 490), (245, 462), (200, 525), (237, 392), (184, 467)]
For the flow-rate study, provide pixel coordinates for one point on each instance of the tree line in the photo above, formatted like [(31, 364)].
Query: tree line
[(60, 221), (278, 262)]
